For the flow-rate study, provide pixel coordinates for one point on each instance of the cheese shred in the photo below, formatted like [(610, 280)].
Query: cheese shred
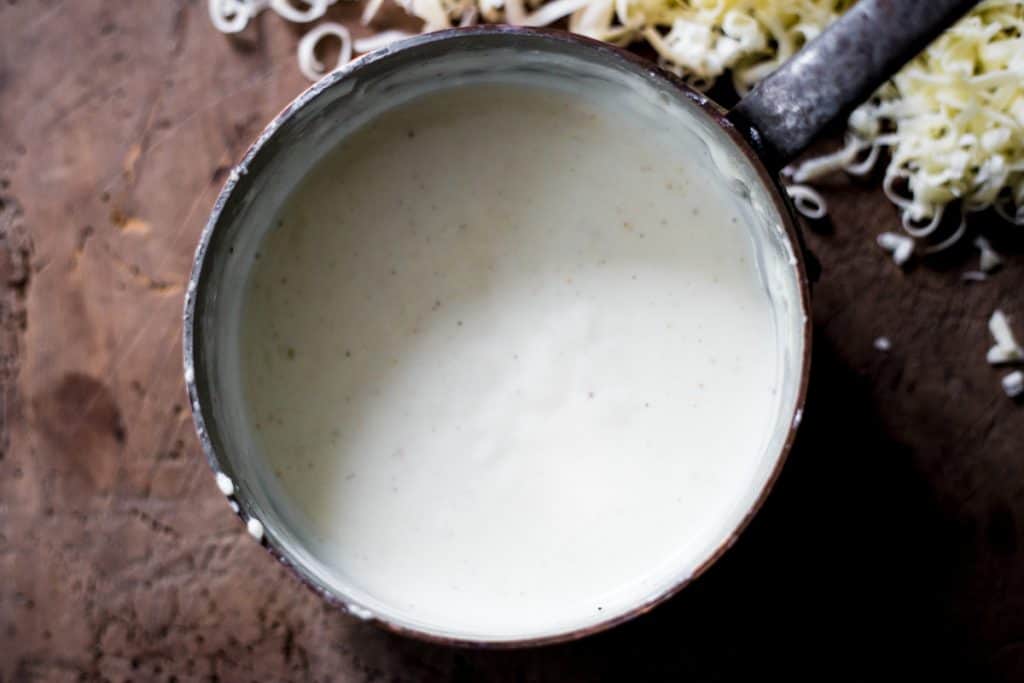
[(310, 66), (1013, 384), (1006, 349)]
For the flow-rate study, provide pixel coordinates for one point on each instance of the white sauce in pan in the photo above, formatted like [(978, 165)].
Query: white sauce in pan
[(510, 356)]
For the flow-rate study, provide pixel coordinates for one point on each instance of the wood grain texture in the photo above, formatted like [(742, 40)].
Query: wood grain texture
[(891, 547)]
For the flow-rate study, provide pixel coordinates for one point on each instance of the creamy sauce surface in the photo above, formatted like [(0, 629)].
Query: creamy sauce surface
[(509, 355)]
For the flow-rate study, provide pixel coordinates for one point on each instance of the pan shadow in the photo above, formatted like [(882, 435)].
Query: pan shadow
[(840, 577)]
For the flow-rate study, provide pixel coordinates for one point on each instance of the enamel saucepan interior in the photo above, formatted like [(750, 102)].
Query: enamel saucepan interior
[(745, 147)]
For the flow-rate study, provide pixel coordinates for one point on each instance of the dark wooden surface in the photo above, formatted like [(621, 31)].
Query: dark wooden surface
[(892, 546)]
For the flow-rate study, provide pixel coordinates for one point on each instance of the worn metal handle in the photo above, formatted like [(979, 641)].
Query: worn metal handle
[(837, 71)]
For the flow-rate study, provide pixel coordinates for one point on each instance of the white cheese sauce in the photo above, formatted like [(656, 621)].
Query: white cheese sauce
[(509, 354)]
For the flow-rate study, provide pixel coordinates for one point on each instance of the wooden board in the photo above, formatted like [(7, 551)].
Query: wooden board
[(892, 544)]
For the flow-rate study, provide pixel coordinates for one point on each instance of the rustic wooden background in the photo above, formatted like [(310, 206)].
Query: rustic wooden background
[(891, 548)]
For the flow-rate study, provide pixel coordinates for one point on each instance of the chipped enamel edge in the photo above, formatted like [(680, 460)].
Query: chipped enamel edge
[(255, 528), (224, 483)]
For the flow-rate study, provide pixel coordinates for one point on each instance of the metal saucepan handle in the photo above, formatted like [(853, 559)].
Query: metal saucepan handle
[(837, 71)]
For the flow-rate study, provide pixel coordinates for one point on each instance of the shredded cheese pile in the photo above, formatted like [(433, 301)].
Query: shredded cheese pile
[(699, 40), (953, 123)]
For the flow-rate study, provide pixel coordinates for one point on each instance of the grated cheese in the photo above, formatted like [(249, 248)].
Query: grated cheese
[(699, 40), (313, 11), (900, 246), (807, 201), (311, 67), (990, 259), (1013, 384), (953, 123), (1006, 348), (232, 16)]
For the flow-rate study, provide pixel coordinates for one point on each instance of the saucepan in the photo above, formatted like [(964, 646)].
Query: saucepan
[(749, 145)]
